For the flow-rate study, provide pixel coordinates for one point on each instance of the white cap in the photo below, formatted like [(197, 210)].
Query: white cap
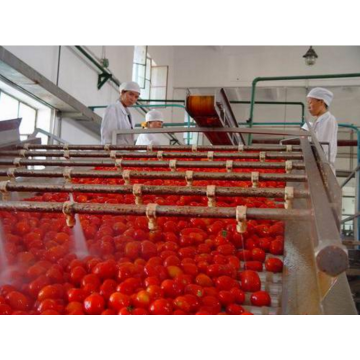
[(129, 86), (154, 115), (321, 94)]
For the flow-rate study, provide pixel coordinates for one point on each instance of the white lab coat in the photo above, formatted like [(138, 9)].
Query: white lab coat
[(116, 118), (152, 139), (325, 128)]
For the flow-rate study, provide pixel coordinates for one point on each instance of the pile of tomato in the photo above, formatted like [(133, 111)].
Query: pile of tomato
[(186, 266)]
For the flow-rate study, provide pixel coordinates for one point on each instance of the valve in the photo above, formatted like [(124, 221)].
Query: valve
[(67, 174), (229, 165), (255, 179), (288, 166), (189, 177), (172, 165), (151, 215), (26, 146), (126, 177), (210, 155), (160, 155), (68, 211), (241, 147), (66, 147), (289, 197), (241, 219), (16, 162), (137, 192), (262, 156), (66, 154), (288, 148), (149, 148), (194, 148), (11, 173), (113, 154), (3, 190), (210, 193), (107, 147), (22, 153), (118, 164)]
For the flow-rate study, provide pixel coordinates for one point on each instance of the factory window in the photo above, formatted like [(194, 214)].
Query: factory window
[(11, 108), (151, 78)]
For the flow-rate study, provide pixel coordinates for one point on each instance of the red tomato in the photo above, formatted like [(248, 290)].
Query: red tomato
[(106, 269), (5, 309), (91, 283), (226, 298), (250, 281), (173, 271), (171, 288), (194, 289), (274, 265), (253, 265), (94, 304), (276, 247), (148, 249), (77, 295), (258, 255), (142, 299), (55, 291), (133, 249), (239, 295), (260, 298), (155, 292), (203, 280), (107, 288), (117, 301), (161, 307), (18, 301), (76, 275), (225, 283), (234, 309), (181, 303)]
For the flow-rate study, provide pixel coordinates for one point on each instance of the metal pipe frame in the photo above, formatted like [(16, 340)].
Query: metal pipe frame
[(170, 155), (158, 163), (331, 255), (168, 211), (153, 190), (156, 147), (168, 175)]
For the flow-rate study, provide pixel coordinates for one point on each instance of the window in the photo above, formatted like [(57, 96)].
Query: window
[(11, 108), (151, 78)]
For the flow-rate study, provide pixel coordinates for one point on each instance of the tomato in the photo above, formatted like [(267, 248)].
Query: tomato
[(250, 281), (74, 307), (258, 254), (107, 288), (226, 298), (109, 312), (171, 261), (171, 288), (117, 301), (239, 295), (260, 298), (211, 304), (227, 249), (182, 303), (55, 291), (155, 292), (133, 249), (5, 309), (94, 304), (77, 295), (161, 307), (106, 269), (18, 301), (142, 299), (274, 265), (49, 304), (50, 312), (244, 255), (148, 249), (225, 283), (35, 286), (76, 275), (190, 269), (173, 271), (152, 280), (129, 286), (253, 265), (276, 247), (234, 309), (91, 283), (203, 280)]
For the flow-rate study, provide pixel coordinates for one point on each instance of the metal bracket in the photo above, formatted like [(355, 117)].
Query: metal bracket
[(241, 219), (137, 192), (126, 176), (102, 79), (288, 148), (66, 146), (68, 211), (113, 154), (210, 193), (289, 196), (241, 147), (160, 155), (4, 192), (151, 215), (255, 179), (149, 148), (189, 177), (107, 147), (288, 166), (194, 148), (210, 155), (262, 156), (26, 146), (172, 165), (229, 165)]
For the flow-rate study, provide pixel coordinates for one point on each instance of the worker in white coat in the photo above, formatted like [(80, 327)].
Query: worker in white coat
[(325, 126), (118, 117), (154, 119)]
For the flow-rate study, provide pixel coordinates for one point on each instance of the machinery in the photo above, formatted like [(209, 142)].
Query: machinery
[(296, 179)]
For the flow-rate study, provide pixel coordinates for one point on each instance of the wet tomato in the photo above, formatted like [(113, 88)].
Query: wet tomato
[(94, 304)]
